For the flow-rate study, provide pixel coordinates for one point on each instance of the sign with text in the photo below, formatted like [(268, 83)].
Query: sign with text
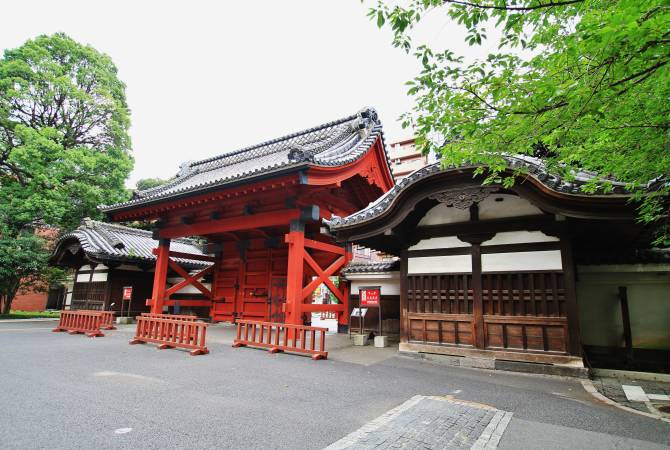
[(127, 292), (359, 312), (369, 296)]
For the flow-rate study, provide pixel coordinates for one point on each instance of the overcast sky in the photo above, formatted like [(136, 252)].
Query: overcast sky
[(204, 78)]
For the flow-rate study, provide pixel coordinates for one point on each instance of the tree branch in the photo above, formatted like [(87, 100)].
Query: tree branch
[(514, 8), (641, 73)]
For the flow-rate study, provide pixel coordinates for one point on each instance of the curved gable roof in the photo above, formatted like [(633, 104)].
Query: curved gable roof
[(111, 242), (334, 143), (534, 167)]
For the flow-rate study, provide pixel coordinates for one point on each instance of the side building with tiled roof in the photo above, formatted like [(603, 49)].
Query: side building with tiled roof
[(105, 258), (541, 272)]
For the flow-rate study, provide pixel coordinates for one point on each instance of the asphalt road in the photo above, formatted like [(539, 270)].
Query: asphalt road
[(62, 391)]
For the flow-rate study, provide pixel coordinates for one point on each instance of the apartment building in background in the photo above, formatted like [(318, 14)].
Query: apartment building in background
[(405, 158)]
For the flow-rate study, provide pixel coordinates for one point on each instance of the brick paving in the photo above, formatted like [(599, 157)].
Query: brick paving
[(430, 423)]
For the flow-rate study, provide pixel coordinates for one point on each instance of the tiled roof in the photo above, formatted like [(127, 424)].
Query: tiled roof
[(107, 241), (534, 167), (331, 144), (372, 267)]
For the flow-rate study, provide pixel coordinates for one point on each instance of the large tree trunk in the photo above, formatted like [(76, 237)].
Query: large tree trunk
[(6, 304), (7, 300)]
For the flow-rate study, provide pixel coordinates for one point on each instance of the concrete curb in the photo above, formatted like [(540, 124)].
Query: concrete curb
[(40, 319), (499, 365), (591, 389), (630, 375)]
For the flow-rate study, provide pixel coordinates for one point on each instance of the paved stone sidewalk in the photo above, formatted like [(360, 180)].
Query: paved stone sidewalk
[(612, 388), (430, 423)]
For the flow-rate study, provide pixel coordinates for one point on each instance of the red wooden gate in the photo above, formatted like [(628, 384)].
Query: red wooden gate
[(277, 300)]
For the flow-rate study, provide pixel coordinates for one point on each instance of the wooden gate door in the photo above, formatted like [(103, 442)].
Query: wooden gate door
[(277, 299), (225, 298), (439, 309)]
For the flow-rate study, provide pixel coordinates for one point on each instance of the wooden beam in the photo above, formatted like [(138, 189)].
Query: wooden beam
[(332, 307), (323, 276), (196, 284), (574, 344), (318, 245), (477, 301), (189, 280), (188, 303), (530, 223), (188, 256), (488, 249), (160, 276), (265, 219), (625, 315)]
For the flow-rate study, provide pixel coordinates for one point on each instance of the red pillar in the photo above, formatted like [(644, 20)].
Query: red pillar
[(294, 277), (343, 318), (160, 276)]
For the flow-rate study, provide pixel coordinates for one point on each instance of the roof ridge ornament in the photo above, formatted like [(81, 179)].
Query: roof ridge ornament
[(367, 118), (463, 198), (298, 153), (185, 168)]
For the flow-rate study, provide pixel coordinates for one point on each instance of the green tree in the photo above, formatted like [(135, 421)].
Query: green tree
[(24, 265), (64, 143), (148, 183), (579, 83)]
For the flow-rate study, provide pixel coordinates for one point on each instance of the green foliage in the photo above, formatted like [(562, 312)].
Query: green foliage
[(580, 83), (30, 314), (64, 145), (148, 183), (24, 263)]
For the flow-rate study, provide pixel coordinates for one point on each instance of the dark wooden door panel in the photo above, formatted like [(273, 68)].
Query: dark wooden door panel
[(522, 311), (544, 334)]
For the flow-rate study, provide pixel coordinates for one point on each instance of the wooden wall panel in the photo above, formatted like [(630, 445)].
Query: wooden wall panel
[(538, 334), (540, 294), (440, 294), (452, 329)]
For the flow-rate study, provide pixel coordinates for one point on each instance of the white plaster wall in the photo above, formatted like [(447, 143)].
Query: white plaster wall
[(519, 237), (510, 206), (520, 261), (83, 277), (442, 214), (599, 306), (389, 286), (439, 242), (440, 264), (129, 268), (98, 274)]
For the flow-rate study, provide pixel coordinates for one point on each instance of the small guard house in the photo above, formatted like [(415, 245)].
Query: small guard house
[(260, 209), (105, 258), (541, 272)]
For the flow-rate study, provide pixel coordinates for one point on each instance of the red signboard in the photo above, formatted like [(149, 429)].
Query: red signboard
[(127, 292), (369, 296)]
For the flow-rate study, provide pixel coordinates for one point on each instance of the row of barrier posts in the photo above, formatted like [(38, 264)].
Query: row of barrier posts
[(171, 333), (170, 316), (108, 318), (282, 337), (183, 331), (84, 322)]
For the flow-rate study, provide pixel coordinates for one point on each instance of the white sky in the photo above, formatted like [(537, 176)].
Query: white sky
[(204, 78)]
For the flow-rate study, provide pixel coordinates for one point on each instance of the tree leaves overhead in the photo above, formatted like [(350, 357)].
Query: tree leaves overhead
[(586, 81)]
